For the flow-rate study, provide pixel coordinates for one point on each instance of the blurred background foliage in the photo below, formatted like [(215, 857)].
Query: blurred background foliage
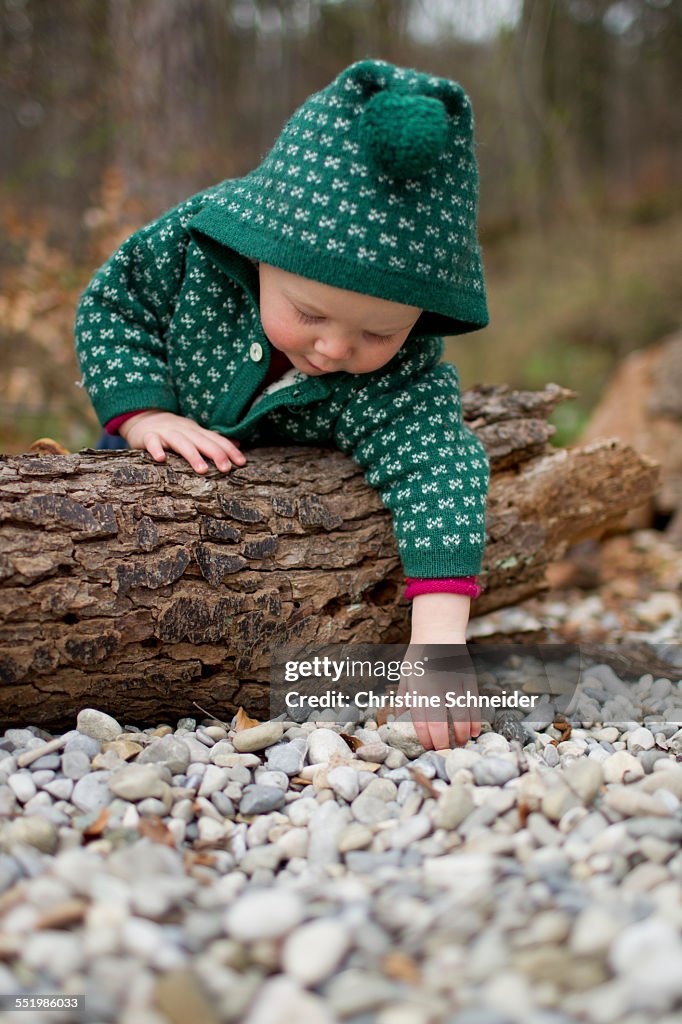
[(111, 111)]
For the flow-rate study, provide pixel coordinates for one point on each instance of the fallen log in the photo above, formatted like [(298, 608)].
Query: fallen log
[(141, 588)]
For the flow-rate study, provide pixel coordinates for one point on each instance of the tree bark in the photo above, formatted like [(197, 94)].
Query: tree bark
[(141, 588)]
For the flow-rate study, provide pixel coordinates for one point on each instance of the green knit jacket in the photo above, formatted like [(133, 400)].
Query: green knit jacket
[(171, 321)]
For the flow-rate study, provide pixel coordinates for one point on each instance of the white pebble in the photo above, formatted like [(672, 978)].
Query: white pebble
[(264, 915), (98, 725), (640, 739), (323, 743), (344, 781), (620, 765), (315, 950)]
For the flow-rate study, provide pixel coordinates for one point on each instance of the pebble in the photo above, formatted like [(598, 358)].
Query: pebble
[(137, 781), (632, 803), (622, 766), (458, 758), (492, 742), (258, 737), (266, 914), (344, 782), (261, 799), (33, 830), (355, 837), (75, 764), (323, 744), (410, 831), (640, 739), (92, 792), (97, 725), (403, 736), (454, 804), (355, 991), (169, 750), (214, 779), (287, 757), (22, 785), (375, 751), (281, 1001), (492, 884), (315, 950), (585, 778), (493, 771)]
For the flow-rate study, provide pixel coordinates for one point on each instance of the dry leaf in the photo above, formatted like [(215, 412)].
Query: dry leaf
[(382, 716), (423, 781), (95, 830), (244, 722), (524, 811), (352, 741), (563, 726), (402, 967), (63, 914), (204, 858), (155, 829), (46, 446)]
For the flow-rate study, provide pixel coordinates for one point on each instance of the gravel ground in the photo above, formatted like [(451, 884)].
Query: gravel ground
[(284, 872)]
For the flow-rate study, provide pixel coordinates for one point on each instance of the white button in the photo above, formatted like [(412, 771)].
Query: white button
[(256, 352)]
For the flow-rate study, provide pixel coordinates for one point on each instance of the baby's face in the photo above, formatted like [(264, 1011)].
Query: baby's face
[(323, 329)]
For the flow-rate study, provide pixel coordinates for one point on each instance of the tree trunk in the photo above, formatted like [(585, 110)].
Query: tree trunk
[(140, 588)]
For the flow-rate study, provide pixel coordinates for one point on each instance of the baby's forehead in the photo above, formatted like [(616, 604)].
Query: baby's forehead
[(323, 293), (329, 300)]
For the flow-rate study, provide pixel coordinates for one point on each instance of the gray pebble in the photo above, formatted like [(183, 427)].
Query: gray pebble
[(261, 799), (9, 871), (75, 764), (370, 810), (355, 991), (22, 785), (78, 741), (493, 771), (669, 830), (550, 755), (271, 778), (287, 757), (92, 791), (168, 750), (223, 804)]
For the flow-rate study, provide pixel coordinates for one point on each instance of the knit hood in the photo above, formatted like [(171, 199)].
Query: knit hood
[(371, 186)]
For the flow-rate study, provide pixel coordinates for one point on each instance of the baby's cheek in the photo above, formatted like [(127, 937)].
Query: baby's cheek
[(281, 335)]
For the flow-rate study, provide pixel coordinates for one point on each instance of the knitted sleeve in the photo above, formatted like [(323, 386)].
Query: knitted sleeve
[(123, 314), (404, 427)]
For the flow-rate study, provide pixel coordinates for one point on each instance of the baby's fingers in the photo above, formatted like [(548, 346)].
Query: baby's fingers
[(224, 454), (154, 446), (181, 444), (223, 447)]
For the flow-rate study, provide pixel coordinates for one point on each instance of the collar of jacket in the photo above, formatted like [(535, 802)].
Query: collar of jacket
[(301, 391)]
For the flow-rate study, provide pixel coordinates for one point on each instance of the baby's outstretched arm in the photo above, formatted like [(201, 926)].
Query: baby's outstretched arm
[(442, 618), (156, 430)]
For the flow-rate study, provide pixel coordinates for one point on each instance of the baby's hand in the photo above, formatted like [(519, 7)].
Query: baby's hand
[(155, 430), (437, 725)]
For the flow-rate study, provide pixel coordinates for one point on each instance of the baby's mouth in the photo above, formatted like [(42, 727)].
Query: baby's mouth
[(318, 368)]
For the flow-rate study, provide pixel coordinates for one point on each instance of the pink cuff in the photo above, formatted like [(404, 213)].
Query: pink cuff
[(112, 426), (466, 585)]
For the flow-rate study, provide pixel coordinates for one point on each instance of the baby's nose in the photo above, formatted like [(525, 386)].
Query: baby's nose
[(333, 347)]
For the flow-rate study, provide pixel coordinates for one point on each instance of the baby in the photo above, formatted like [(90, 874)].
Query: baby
[(305, 303)]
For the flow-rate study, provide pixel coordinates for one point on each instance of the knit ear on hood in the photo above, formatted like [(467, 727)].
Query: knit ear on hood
[(404, 130), (373, 76)]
